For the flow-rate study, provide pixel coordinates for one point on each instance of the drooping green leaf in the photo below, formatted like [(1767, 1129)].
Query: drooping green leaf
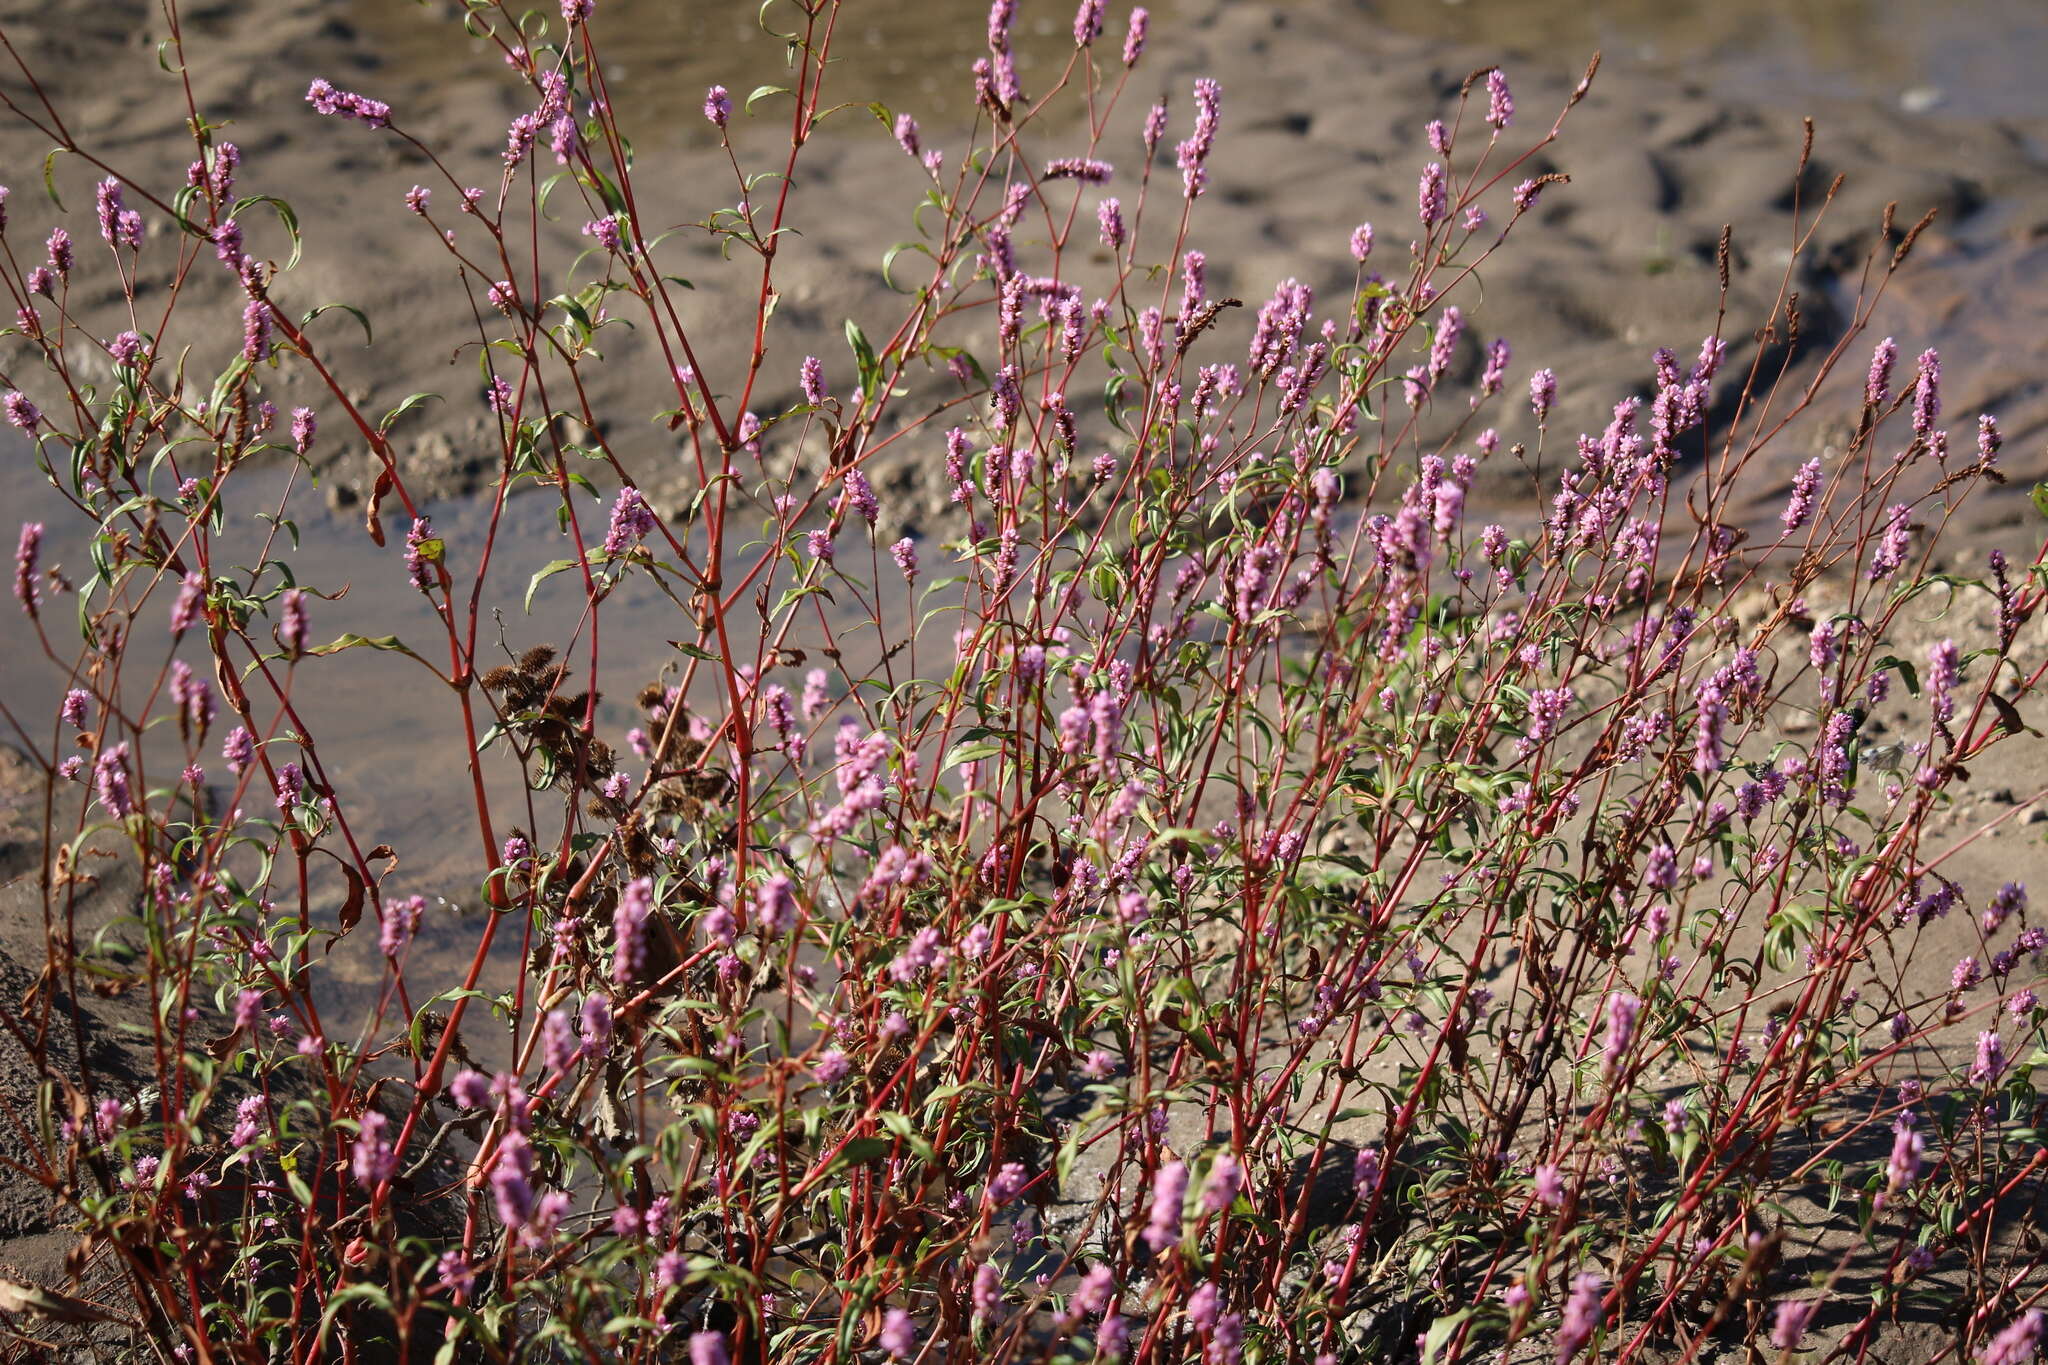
[(863, 358), (348, 308)]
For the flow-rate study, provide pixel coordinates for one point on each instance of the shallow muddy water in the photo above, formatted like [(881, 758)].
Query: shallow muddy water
[(1976, 58), (388, 733)]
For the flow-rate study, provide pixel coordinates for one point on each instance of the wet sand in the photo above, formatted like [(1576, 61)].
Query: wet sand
[(1693, 123), (1690, 126)]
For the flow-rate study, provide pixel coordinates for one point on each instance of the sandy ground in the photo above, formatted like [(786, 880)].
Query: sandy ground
[(1322, 129), (36, 1239)]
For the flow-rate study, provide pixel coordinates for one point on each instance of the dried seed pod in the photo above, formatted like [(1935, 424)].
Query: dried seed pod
[(710, 785)]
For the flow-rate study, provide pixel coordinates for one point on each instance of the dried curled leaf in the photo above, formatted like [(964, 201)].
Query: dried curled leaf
[(48, 1303)]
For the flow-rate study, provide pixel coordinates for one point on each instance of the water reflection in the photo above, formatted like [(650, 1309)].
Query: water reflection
[(660, 55)]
